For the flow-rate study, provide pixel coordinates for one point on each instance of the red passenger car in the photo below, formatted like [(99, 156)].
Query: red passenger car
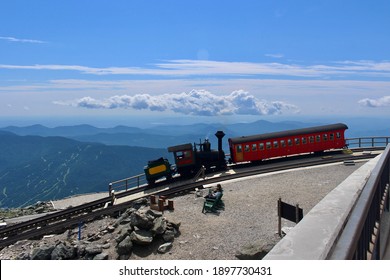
[(290, 142)]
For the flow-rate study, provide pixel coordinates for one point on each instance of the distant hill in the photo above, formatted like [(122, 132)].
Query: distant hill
[(67, 131), (34, 168), (161, 136)]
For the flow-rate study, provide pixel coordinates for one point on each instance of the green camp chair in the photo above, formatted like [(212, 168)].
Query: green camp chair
[(211, 205)]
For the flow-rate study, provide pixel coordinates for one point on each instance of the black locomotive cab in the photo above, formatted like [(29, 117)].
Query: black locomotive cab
[(189, 159)]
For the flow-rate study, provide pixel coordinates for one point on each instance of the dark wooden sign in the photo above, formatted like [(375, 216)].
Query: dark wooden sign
[(289, 212)]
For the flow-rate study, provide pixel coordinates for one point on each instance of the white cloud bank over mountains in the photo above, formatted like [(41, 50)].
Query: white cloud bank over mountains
[(380, 102), (195, 102)]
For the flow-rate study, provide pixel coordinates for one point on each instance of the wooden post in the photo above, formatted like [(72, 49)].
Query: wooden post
[(161, 204), (170, 205)]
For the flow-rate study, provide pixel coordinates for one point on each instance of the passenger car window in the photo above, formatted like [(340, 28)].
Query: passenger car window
[(261, 146)]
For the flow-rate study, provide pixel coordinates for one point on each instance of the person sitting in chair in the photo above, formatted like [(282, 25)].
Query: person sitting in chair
[(215, 194)]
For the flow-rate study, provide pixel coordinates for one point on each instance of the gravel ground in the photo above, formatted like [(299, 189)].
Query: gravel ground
[(250, 215), (250, 212)]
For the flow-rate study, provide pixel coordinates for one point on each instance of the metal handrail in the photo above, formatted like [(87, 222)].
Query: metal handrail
[(364, 142), (361, 237), (127, 183)]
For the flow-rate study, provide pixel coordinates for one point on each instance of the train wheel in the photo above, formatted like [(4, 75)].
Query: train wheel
[(151, 183)]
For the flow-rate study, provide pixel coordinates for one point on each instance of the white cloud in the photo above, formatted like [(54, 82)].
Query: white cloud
[(274, 55), (380, 102), (195, 102), (180, 68), (17, 40)]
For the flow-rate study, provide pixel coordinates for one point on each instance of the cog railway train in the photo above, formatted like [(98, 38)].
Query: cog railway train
[(190, 159)]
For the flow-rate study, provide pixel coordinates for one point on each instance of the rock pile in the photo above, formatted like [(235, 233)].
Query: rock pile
[(138, 228), (142, 227)]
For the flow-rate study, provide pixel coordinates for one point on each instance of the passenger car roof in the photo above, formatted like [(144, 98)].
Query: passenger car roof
[(288, 133)]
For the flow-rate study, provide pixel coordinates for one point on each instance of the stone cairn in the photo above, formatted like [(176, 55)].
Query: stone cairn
[(138, 227)]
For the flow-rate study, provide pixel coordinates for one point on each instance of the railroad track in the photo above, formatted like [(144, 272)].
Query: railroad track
[(59, 221), (276, 165)]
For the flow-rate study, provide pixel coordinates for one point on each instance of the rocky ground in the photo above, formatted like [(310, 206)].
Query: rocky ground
[(37, 208), (245, 228)]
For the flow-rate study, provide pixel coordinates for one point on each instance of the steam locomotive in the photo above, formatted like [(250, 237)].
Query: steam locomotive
[(189, 159)]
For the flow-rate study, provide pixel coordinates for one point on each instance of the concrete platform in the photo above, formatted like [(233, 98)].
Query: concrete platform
[(314, 236)]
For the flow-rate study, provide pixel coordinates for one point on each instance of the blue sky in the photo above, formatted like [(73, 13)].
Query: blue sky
[(198, 59)]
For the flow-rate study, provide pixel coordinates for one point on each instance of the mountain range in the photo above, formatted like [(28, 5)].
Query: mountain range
[(36, 168), (167, 135)]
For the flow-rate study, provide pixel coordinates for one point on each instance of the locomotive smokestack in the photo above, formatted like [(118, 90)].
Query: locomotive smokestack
[(220, 135)]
